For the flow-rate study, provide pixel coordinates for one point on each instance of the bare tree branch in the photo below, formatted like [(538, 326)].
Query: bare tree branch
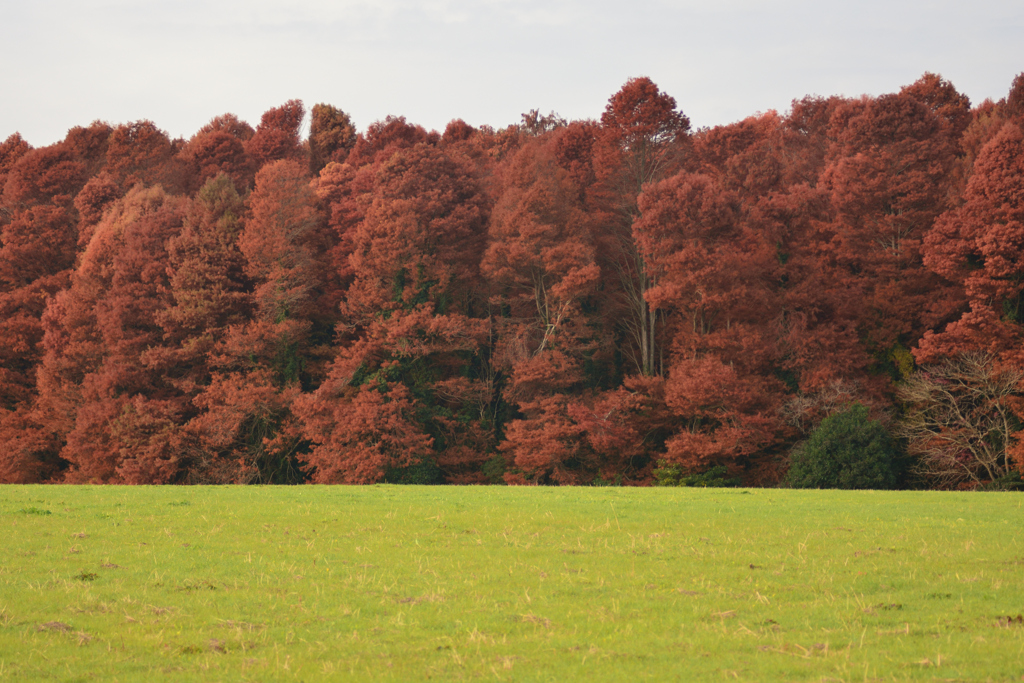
[(958, 420)]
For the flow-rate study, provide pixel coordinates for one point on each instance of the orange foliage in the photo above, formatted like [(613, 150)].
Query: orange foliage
[(555, 302)]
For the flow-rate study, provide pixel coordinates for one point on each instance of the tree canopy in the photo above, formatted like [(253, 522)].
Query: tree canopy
[(615, 300)]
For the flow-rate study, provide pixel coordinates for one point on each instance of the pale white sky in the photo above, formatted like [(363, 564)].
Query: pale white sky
[(179, 63)]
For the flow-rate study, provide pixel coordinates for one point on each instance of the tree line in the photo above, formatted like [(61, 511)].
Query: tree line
[(622, 300)]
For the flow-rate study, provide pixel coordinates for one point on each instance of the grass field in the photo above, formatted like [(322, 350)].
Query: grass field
[(445, 583)]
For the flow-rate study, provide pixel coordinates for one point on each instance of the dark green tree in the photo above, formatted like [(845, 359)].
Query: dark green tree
[(848, 450)]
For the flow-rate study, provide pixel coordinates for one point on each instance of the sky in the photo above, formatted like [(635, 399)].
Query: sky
[(179, 63)]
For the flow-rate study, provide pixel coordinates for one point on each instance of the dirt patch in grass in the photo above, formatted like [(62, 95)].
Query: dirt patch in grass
[(57, 626), (532, 619)]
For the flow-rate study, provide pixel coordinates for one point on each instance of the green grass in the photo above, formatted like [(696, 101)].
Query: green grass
[(595, 584)]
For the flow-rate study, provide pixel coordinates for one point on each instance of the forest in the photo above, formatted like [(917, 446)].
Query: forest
[(830, 297)]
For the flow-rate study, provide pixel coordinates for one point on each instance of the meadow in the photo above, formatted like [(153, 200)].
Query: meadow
[(509, 584)]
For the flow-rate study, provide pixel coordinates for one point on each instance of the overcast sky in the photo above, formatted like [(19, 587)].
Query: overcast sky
[(179, 63)]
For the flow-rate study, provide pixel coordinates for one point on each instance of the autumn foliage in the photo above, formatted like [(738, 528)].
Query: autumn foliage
[(550, 303)]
